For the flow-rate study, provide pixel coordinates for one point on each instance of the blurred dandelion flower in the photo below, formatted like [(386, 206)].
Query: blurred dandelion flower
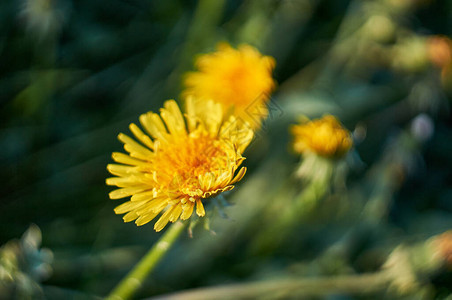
[(440, 54), (325, 137), (240, 79), (185, 162), (410, 54), (443, 246), (440, 50), (41, 17)]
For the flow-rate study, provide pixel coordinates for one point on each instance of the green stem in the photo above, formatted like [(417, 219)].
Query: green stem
[(134, 279), (290, 288), (297, 211)]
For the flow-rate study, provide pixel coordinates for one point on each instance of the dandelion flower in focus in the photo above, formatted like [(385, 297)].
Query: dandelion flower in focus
[(178, 164), (240, 79), (325, 137)]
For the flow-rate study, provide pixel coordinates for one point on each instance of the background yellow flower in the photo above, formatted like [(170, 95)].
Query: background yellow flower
[(240, 79), (324, 137)]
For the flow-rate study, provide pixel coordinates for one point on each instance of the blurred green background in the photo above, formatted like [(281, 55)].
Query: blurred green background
[(75, 73)]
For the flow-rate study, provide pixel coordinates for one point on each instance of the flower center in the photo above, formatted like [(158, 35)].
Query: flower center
[(179, 164)]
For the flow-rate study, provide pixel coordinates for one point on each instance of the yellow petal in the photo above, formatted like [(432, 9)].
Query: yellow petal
[(125, 192), (191, 114), (120, 170), (130, 216), (159, 203), (206, 180), (129, 181), (164, 219), (131, 146), (153, 125), (173, 118), (200, 208), (188, 210), (155, 205), (175, 214), (239, 175), (148, 195), (145, 218), (227, 188), (141, 136), (126, 159), (128, 206)]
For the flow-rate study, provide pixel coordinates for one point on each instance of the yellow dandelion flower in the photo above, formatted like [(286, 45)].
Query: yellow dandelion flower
[(440, 54), (240, 79), (440, 51), (179, 162), (325, 137)]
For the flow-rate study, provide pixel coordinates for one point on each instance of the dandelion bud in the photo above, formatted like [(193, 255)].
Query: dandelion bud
[(325, 137)]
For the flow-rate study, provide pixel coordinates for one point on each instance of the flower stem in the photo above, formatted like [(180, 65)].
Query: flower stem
[(290, 288), (134, 279)]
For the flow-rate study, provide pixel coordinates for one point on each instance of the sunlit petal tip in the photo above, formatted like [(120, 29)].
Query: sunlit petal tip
[(129, 217), (126, 207), (144, 219), (200, 211), (228, 188), (164, 219), (121, 137), (175, 214), (132, 127), (141, 223), (116, 194), (110, 181), (239, 175)]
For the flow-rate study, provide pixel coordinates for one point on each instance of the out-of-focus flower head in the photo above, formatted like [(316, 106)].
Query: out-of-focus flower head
[(239, 79), (379, 28), (324, 137), (440, 54), (41, 17), (184, 163), (410, 54), (443, 247), (440, 50)]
